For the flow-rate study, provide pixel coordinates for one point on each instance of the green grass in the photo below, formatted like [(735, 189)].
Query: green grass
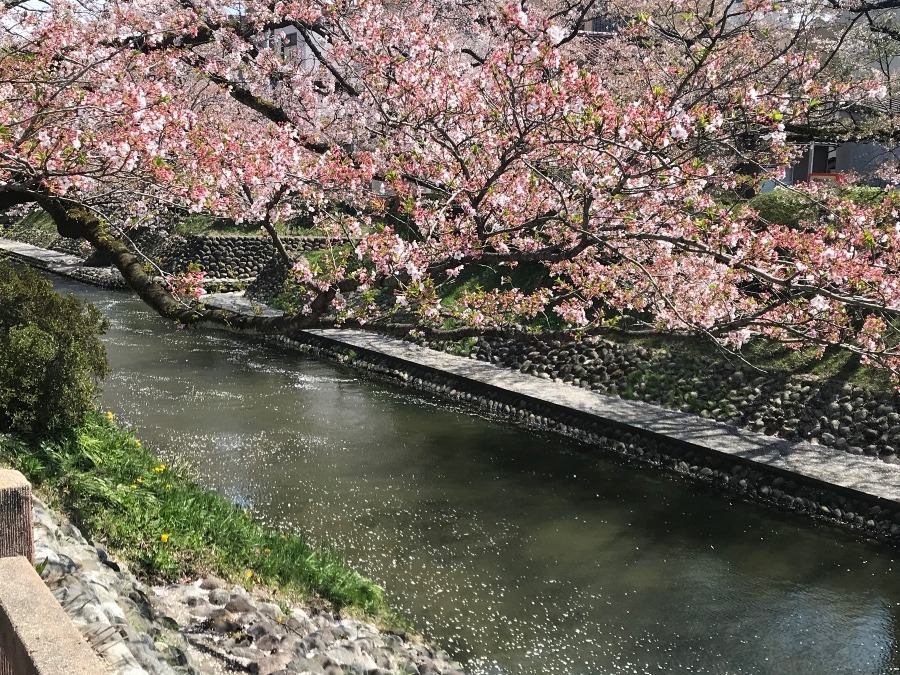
[(39, 220), (168, 528), (770, 357), (526, 276), (833, 365), (200, 224)]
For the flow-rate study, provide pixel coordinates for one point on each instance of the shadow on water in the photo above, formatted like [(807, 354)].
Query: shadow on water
[(516, 552)]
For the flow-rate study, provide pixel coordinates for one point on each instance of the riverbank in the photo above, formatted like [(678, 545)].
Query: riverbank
[(240, 614), (169, 528), (208, 626), (854, 491)]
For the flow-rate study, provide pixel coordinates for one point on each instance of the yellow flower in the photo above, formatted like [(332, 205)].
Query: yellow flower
[(109, 415), (249, 574), (137, 442), (160, 468), (164, 537)]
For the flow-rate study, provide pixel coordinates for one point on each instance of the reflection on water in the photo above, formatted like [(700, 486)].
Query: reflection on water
[(517, 553)]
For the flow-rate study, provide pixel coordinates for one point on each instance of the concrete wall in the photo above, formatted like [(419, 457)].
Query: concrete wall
[(863, 157), (36, 635), (16, 535)]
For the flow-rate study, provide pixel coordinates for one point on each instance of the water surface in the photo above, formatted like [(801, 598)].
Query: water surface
[(515, 552)]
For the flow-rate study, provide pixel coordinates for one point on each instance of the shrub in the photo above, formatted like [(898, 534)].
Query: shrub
[(51, 357), (784, 207)]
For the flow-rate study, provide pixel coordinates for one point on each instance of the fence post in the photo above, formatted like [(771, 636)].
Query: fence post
[(16, 530)]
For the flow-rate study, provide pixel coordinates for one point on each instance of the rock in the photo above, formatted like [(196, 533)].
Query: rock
[(219, 596), (270, 610), (304, 665), (211, 583), (222, 622), (239, 605), (319, 640), (104, 558), (268, 642)]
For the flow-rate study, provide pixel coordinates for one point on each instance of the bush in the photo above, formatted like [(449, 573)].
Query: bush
[(51, 357), (784, 207), (787, 207)]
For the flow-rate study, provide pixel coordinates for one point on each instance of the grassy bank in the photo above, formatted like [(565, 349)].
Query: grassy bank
[(169, 529)]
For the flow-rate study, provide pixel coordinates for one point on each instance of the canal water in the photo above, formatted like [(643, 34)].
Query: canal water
[(517, 553)]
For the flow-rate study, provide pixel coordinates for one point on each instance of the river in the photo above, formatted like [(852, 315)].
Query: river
[(517, 553)]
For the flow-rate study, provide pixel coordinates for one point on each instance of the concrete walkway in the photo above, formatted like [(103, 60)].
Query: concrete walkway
[(53, 261), (62, 264), (854, 474)]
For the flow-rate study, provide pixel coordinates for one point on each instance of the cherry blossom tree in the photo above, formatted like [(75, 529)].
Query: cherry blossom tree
[(431, 139)]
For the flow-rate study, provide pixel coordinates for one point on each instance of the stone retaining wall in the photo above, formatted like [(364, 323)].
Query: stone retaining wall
[(795, 407), (869, 518), (105, 277), (232, 257)]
